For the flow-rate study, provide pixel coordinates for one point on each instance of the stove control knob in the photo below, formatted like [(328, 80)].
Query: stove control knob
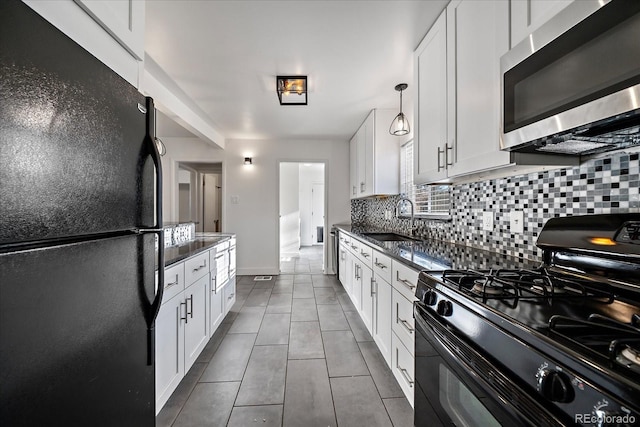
[(430, 297), (555, 386), (445, 308)]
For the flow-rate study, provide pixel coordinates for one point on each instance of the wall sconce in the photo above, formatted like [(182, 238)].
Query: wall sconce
[(292, 90), (400, 125), (248, 161)]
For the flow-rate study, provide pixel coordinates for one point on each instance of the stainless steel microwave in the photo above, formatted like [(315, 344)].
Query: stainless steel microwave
[(573, 86)]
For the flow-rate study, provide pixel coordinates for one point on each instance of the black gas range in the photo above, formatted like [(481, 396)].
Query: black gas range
[(554, 345)]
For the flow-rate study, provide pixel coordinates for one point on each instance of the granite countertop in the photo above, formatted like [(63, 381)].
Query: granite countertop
[(201, 242), (437, 255)]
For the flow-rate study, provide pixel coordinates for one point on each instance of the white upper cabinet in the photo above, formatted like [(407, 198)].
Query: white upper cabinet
[(375, 169), (457, 72), (477, 36), (528, 15), (112, 31), (430, 130)]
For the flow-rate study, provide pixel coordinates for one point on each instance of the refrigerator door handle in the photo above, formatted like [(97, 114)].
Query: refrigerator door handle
[(152, 151)]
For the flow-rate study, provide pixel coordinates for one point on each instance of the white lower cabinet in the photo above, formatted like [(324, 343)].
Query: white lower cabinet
[(190, 314), (402, 366), (169, 349), (382, 291)]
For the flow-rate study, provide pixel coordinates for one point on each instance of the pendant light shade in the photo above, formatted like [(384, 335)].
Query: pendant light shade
[(400, 125)]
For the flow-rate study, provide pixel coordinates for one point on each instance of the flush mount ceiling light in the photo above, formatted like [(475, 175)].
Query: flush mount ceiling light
[(248, 161), (292, 90), (400, 125)]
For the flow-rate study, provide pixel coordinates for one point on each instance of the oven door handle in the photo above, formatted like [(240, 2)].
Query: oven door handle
[(482, 370)]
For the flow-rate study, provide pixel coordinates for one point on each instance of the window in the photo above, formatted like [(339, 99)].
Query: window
[(429, 200)]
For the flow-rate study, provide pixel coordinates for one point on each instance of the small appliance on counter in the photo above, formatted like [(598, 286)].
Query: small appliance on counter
[(554, 345)]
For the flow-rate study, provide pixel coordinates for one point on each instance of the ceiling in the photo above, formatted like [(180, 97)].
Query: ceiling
[(225, 55)]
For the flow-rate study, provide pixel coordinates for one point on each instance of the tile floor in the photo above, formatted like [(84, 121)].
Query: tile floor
[(292, 352), (307, 261)]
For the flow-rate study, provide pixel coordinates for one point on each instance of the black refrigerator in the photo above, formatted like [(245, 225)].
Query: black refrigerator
[(80, 208)]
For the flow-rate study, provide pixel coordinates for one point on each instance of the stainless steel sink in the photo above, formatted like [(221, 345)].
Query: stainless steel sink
[(389, 237)]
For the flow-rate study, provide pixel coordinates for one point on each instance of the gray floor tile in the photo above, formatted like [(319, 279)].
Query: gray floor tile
[(172, 408), (263, 382), (358, 327), (323, 281), (258, 298), (213, 344), (302, 278), (357, 403), (230, 361), (383, 377), (307, 400), (284, 278), (248, 320), (345, 302), (274, 329), (325, 296), (400, 411), (282, 288), (263, 416), (305, 341), (209, 404), (303, 290), (332, 318), (343, 354), (304, 310), (279, 303)]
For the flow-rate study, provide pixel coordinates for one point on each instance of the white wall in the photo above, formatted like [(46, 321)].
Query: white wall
[(255, 217), (309, 175), (289, 209)]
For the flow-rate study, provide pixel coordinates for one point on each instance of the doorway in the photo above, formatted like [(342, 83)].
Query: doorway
[(302, 217)]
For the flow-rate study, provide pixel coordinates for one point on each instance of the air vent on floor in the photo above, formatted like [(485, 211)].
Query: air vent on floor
[(262, 278)]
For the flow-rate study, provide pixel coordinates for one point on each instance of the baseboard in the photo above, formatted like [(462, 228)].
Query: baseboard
[(258, 272)]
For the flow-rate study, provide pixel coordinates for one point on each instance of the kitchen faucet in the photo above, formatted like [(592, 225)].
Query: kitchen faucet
[(404, 199)]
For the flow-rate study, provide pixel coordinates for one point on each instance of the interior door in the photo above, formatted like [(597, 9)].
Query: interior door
[(317, 212)]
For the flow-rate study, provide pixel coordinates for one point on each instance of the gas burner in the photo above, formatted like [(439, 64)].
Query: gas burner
[(629, 357), (545, 287), (485, 287)]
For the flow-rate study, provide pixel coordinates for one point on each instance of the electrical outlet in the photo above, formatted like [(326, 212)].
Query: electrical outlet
[(235, 200), (388, 214), (516, 221), (487, 221)]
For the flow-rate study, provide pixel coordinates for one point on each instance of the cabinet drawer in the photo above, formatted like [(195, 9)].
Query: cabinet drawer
[(173, 281), (354, 247), (196, 267), (365, 254), (212, 261), (222, 268), (381, 265), (403, 324), (404, 279), (402, 366), (229, 294), (344, 238)]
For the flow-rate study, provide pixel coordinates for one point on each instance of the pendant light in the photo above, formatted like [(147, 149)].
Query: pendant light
[(400, 125)]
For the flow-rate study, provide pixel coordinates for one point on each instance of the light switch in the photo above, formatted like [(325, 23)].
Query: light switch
[(487, 221), (516, 222)]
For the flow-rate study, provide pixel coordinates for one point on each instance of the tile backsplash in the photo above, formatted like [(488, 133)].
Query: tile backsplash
[(600, 185)]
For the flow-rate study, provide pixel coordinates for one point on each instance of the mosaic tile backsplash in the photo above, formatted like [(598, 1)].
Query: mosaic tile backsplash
[(601, 185)]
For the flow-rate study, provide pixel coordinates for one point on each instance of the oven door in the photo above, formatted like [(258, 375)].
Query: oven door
[(456, 385)]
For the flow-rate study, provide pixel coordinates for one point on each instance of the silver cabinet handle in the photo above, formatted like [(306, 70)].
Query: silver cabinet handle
[(364, 254), (362, 187), (354, 190), (186, 317), (403, 322), (380, 265), (343, 255), (440, 151), (231, 296), (168, 285), (356, 274), (446, 154), (403, 371), (405, 282), (213, 285), (354, 247), (372, 282), (201, 266), (190, 312)]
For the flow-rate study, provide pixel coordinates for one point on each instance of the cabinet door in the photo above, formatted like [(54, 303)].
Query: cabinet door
[(216, 306), (368, 292), (353, 166), (195, 327), (402, 366), (430, 130), (382, 317), (477, 36), (229, 294), (361, 155), (169, 349), (342, 262), (356, 285), (367, 147), (529, 15)]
